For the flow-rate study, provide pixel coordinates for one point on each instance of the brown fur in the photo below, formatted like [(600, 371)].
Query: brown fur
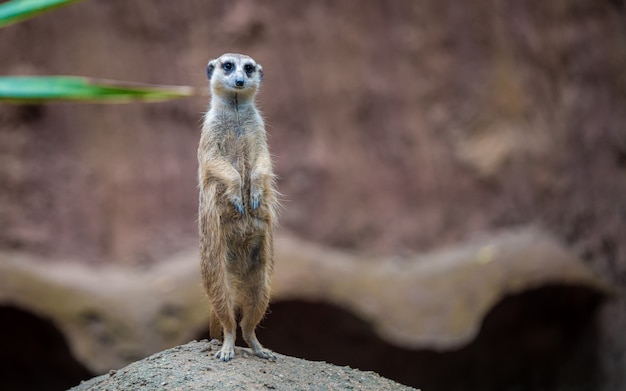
[(238, 203)]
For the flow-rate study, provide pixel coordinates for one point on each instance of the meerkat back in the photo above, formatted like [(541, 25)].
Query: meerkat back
[(237, 208)]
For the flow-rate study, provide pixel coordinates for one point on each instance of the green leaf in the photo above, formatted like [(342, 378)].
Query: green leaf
[(17, 10), (39, 89)]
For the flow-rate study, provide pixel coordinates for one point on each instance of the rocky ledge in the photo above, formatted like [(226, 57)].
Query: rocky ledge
[(193, 367)]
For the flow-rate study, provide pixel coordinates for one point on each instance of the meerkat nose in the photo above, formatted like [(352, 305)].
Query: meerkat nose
[(239, 81)]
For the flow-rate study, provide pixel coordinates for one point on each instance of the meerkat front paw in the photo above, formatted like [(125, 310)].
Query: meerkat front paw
[(255, 198), (238, 204), (236, 200)]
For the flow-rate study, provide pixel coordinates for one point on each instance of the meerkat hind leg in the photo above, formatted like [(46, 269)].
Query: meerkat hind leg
[(252, 315), (228, 325), (215, 327), (253, 310)]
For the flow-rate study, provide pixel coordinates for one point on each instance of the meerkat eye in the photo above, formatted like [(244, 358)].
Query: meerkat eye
[(248, 68), (227, 66)]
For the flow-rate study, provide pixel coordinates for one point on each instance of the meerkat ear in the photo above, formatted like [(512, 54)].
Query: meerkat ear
[(259, 69), (210, 68)]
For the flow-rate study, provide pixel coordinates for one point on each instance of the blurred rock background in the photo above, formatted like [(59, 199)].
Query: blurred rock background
[(397, 127)]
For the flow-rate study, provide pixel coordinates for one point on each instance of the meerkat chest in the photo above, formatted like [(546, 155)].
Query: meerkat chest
[(238, 148)]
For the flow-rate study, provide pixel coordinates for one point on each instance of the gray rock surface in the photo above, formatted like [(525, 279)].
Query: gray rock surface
[(193, 367)]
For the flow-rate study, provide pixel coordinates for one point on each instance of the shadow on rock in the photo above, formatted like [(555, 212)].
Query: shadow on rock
[(34, 354)]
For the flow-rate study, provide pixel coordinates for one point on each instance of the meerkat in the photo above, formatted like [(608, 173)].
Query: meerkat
[(237, 208)]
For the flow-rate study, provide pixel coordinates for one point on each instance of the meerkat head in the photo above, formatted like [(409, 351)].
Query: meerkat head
[(234, 76)]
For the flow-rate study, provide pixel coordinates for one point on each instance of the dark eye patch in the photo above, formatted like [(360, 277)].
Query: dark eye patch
[(249, 68), (228, 66)]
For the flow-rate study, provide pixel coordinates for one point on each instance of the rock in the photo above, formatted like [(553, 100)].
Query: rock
[(114, 315), (111, 316), (436, 300), (193, 367)]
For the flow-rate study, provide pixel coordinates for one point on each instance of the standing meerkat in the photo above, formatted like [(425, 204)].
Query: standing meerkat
[(238, 202)]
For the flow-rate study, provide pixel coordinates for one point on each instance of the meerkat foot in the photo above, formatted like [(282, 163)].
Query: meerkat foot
[(257, 348), (265, 353), (226, 353)]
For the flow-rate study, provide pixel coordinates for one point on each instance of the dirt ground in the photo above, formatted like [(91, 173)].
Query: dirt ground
[(193, 367)]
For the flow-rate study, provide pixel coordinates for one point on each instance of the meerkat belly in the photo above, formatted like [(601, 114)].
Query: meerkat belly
[(243, 257)]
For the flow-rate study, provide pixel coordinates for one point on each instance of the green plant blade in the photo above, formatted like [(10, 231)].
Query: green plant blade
[(39, 89), (17, 10)]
